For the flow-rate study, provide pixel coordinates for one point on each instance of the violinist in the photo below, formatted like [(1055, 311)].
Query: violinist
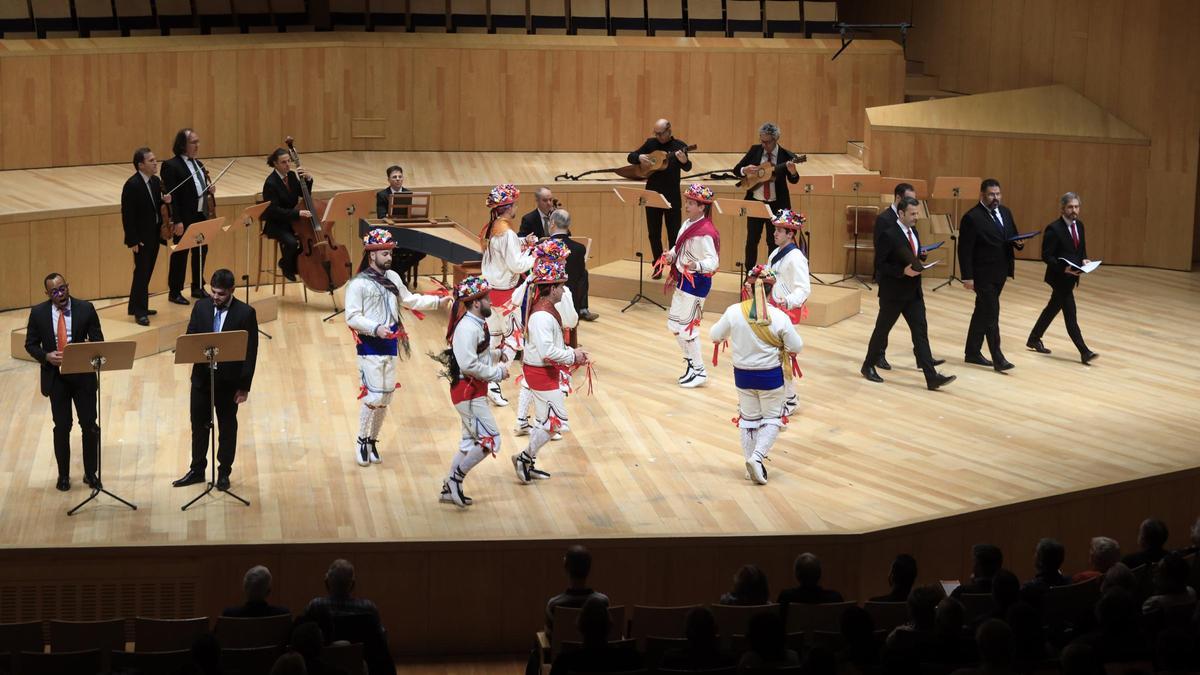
[(192, 203), (282, 189), (774, 193), (141, 215)]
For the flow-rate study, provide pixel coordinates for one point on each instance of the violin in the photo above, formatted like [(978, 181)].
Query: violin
[(324, 266), (210, 199), (166, 230)]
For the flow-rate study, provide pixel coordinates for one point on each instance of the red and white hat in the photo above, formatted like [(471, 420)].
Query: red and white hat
[(502, 195), (378, 239), (699, 193), (792, 220)]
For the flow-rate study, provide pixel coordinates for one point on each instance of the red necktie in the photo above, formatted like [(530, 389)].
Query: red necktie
[(62, 331), (767, 185), (913, 241), (1074, 235)]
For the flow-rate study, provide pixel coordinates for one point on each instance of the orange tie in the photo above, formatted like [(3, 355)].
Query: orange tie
[(62, 331)]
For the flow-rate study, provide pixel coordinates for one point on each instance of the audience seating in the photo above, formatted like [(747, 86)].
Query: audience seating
[(627, 17), (95, 18), (745, 18), (548, 17), (215, 16), (16, 21), (175, 17), (783, 19), (150, 662), (665, 18), (243, 633), (976, 605), (163, 635), (250, 661), (1063, 604), (588, 17), (509, 16), (57, 663), (658, 622), (254, 16), (52, 18), (819, 18), (565, 629), (21, 637), (77, 636), (136, 17), (348, 14), (801, 617), (887, 615), (347, 658), (733, 619), (706, 18), (389, 15), (427, 16), (469, 16)]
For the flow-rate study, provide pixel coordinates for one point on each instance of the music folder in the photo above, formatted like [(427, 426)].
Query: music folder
[(1025, 235), (931, 247)]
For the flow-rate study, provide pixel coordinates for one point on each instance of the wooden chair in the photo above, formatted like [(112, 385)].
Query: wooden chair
[(566, 630), (249, 661), (783, 18), (78, 636), (860, 228), (665, 18), (96, 18), (627, 17), (509, 16), (85, 662), (136, 17), (468, 16), (244, 633), (588, 17), (52, 18), (254, 16), (660, 622), (175, 17), (389, 15), (828, 616), (706, 18), (1063, 605), (735, 619), (887, 615), (348, 15), (428, 16), (819, 17), (290, 15), (548, 17), (21, 637), (347, 658), (150, 662), (165, 635), (16, 21), (745, 18), (215, 16)]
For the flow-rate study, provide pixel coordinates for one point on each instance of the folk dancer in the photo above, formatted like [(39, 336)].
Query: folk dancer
[(554, 250), (505, 261), (693, 260), (791, 289)]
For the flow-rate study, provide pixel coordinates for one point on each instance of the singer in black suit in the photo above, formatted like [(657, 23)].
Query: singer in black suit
[(282, 189), (220, 313), (537, 221), (54, 324), (665, 182), (404, 260), (577, 274), (184, 174), (774, 192), (1064, 238), (985, 254), (141, 216), (898, 269)]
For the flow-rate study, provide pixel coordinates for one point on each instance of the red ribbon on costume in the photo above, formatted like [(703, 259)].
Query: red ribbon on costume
[(488, 443), (736, 420), (589, 370), (694, 323), (420, 315), (719, 346), (555, 423), (795, 366)]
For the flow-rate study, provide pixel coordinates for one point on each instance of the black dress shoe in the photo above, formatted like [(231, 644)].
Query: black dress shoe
[(978, 359), (870, 373), (143, 320), (939, 380), (151, 312), (1003, 364), (91, 481), (1087, 357), (883, 363), (1037, 346), (222, 483), (179, 300), (63, 484), (189, 478), (588, 315)]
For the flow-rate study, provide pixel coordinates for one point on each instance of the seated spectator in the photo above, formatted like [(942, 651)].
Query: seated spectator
[(901, 578), (1118, 637), (808, 573), (1030, 646), (1103, 554), (749, 588), (577, 562), (914, 642), (1047, 564), (354, 619), (1006, 592), (951, 644), (1194, 551), (257, 587), (858, 631), (595, 655), (308, 641), (290, 663), (988, 560), (995, 642), (703, 650), (1119, 576), (340, 583), (1173, 601), (767, 644), (1152, 539)]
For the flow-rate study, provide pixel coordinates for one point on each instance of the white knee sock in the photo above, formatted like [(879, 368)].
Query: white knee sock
[(523, 402), (766, 436), (365, 416), (377, 421), (683, 346), (537, 438), (747, 443), (456, 464), (692, 351), (468, 461)]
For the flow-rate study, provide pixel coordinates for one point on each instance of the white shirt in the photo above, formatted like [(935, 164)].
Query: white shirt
[(468, 334), (197, 181), (905, 230), (700, 250), (504, 262), (369, 305), (747, 350), (994, 212), (761, 189), (792, 286), (544, 342), (54, 321)]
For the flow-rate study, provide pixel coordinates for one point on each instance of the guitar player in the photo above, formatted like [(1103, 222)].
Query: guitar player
[(664, 181), (773, 192)]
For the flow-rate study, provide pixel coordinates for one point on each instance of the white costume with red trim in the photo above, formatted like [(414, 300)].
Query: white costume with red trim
[(478, 365), (504, 266), (696, 259), (791, 291), (570, 320)]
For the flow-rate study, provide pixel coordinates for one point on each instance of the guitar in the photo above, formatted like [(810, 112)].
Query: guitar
[(762, 173), (658, 162)]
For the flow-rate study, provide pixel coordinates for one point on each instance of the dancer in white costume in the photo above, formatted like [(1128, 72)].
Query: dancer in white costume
[(551, 249), (373, 300), (506, 259), (792, 287), (693, 260)]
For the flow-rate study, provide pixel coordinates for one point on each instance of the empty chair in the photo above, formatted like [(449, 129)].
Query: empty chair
[(427, 16), (734, 619), (250, 661), (887, 615), (52, 18), (548, 17), (389, 15), (15, 20), (627, 17), (348, 14), (175, 17), (254, 16), (706, 18), (136, 17), (745, 18), (783, 18), (819, 17), (241, 633), (165, 635), (347, 658), (150, 662), (85, 662), (508, 16), (468, 16), (215, 16), (21, 637), (96, 18), (663, 622), (665, 18), (290, 14), (826, 617), (566, 629), (589, 17), (860, 228), (78, 636)]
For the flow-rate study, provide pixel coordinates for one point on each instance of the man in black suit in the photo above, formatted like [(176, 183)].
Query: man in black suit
[(1063, 238), (282, 189), (537, 221), (577, 275), (665, 182), (774, 192), (218, 313), (898, 269), (404, 261), (189, 206), (141, 217), (985, 254), (53, 325)]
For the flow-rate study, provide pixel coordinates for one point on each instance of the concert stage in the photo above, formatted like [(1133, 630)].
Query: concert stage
[(650, 476)]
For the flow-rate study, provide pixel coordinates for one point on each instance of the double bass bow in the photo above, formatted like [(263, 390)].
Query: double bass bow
[(324, 265)]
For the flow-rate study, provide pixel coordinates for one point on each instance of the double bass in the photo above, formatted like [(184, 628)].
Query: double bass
[(324, 265)]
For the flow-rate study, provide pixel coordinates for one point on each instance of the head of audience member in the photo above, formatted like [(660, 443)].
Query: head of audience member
[(307, 641), (1117, 612), (903, 574), (1079, 658), (858, 630), (206, 654), (577, 562), (922, 606), (257, 584), (1119, 576), (750, 586), (1104, 553), (994, 639), (290, 663), (1029, 638), (1152, 535), (987, 561), (808, 570), (1171, 575), (1049, 555), (559, 222), (950, 617), (1006, 591), (339, 579), (766, 636), (701, 630), (593, 622)]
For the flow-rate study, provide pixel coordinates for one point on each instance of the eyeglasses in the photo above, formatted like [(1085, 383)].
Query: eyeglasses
[(61, 290)]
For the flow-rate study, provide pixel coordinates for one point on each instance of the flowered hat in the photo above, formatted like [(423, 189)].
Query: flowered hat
[(502, 195), (790, 219), (552, 249), (548, 271), (699, 193), (471, 288), (760, 273), (378, 239)]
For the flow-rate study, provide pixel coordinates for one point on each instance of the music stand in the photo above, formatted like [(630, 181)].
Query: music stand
[(347, 205), (408, 206), (861, 185), (211, 349), (251, 215), (93, 357), (813, 185), (953, 188), (199, 234), (745, 208), (643, 198)]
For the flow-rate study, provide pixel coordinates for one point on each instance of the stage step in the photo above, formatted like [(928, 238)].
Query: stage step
[(619, 280), (170, 322)]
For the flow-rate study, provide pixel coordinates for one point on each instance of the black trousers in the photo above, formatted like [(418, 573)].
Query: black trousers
[(985, 320), (227, 425), (80, 391), (291, 249), (913, 311), (758, 229), (654, 225), (1062, 298), (143, 269), (179, 261)]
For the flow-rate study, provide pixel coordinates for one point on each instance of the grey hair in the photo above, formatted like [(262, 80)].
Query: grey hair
[(540, 191), (1066, 199), (770, 128), (1105, 550), (257, 583), (560, 219)]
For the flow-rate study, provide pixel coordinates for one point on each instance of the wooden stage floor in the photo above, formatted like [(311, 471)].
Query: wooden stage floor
[(644, 458)]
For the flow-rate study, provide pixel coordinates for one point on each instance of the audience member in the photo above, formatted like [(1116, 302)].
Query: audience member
[(749, 588), (988, 560), (1118, 637), (916, 641), (354, 619), (290, 663), (595, 655), (1173, 602), (994, 639), (1006, 592), (1102, 555), (808, 574), (1119, 576), (1030, 646), (308, 641), (1152, 539), (901, 579), (767, 644), (577, 562), (858, 631), (256, 585), (703, 650), (951, 644), (1175, 652), (1048, 558), (340, 583)]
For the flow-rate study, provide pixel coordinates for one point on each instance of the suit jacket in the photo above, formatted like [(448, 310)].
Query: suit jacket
[(754, 156), (883, 220), (893, 253), (665, 181), (239, 316), (140, 213), (284, 200), (531, 223), (383, 200), (576, 262), (984, 254), (184, 201), (1057, 243), (41, 337)]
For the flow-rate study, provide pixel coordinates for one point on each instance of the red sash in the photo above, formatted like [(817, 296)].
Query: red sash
[(466, 389), (542, 378), (795, 315)]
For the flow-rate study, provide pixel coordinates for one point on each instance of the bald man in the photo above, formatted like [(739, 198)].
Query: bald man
[(665, 182), (537, 221)]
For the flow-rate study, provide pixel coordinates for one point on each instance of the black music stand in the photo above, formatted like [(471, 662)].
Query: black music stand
[(211, 349), (93, 357), (642, 198), (952, 188), (641, 296)]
